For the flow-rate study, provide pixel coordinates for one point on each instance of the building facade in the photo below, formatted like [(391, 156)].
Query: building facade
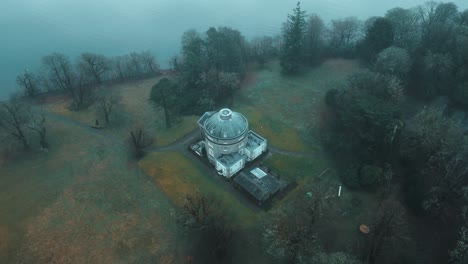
[(228, 142)]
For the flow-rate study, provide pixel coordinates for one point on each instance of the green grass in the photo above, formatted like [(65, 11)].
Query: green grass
[(287, 109), (135, 110), (297, 169), (284, 109), (184, 126), (276, 133)]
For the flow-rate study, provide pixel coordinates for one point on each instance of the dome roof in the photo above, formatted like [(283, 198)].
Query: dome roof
[(226, 124)]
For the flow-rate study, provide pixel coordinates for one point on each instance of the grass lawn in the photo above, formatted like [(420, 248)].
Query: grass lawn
[(277, 133), (283, 109), (177, 176), (81, 202), (297, 169), (286, 109), (185, 125), (135, 110)]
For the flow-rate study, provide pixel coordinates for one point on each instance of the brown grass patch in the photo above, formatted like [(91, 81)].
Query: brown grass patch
[(176, 176), (249, 79), (173, 174), (76, 229), (341, 65), (4, 237)]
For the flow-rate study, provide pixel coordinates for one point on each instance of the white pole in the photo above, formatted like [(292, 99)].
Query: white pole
[(339, 191)]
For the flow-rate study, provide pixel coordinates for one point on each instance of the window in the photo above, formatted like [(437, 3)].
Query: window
[(210, 151)]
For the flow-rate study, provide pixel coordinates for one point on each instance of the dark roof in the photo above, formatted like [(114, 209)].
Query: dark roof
[(259, 188)]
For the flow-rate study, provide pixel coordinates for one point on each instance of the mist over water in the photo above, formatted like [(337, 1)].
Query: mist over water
[(30, 29)]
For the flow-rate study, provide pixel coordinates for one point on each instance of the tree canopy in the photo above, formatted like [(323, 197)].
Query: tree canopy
[(294, 39)]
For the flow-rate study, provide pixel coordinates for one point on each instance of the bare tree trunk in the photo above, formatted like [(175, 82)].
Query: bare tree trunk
[(166, 111), (140, 141)]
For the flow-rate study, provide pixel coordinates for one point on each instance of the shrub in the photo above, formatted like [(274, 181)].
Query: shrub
[(460, 94), (371, 176)]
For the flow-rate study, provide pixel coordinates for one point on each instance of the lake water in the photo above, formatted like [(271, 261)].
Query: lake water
[(30, 29)]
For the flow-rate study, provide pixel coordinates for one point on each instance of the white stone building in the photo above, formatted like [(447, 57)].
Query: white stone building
[(228, 142)]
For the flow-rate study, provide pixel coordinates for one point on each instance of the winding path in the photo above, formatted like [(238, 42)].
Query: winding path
[(178, 145)]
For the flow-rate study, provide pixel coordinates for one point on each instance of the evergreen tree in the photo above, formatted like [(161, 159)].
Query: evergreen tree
[(294, 36), (165, 94), (379, 36)]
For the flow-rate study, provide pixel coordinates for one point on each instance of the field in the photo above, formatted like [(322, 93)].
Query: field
[(287, 109), (86, 201), (135, 109), (81, 202), (284, 109), (177, 176)]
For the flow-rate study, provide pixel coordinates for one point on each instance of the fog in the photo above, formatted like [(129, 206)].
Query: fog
[(30, 29)]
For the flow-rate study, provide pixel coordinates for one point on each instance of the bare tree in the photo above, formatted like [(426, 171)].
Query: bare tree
[(61, 72), (149, 61), (389, 226), (295, 237), (38, 126), (14, 117), (139, 141), (314, 37), (197, 210), (119, 65), (434, 14), (406, 25), (81, 91), (263, 49), (437, 133), (94, 65), (459, 254), (202, 213), (106, 103), (28, 82), (448, 174), (289, 237), (135, 64), (343, 32), (441, 148), (175, 63)]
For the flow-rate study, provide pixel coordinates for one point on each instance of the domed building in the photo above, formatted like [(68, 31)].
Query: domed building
[(228, 142)]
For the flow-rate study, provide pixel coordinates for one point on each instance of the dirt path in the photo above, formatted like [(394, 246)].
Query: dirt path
[(178, 145), (290, 153), (86, 127)]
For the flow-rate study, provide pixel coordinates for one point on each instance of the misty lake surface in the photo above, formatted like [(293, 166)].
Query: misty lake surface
[(30, 29)]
